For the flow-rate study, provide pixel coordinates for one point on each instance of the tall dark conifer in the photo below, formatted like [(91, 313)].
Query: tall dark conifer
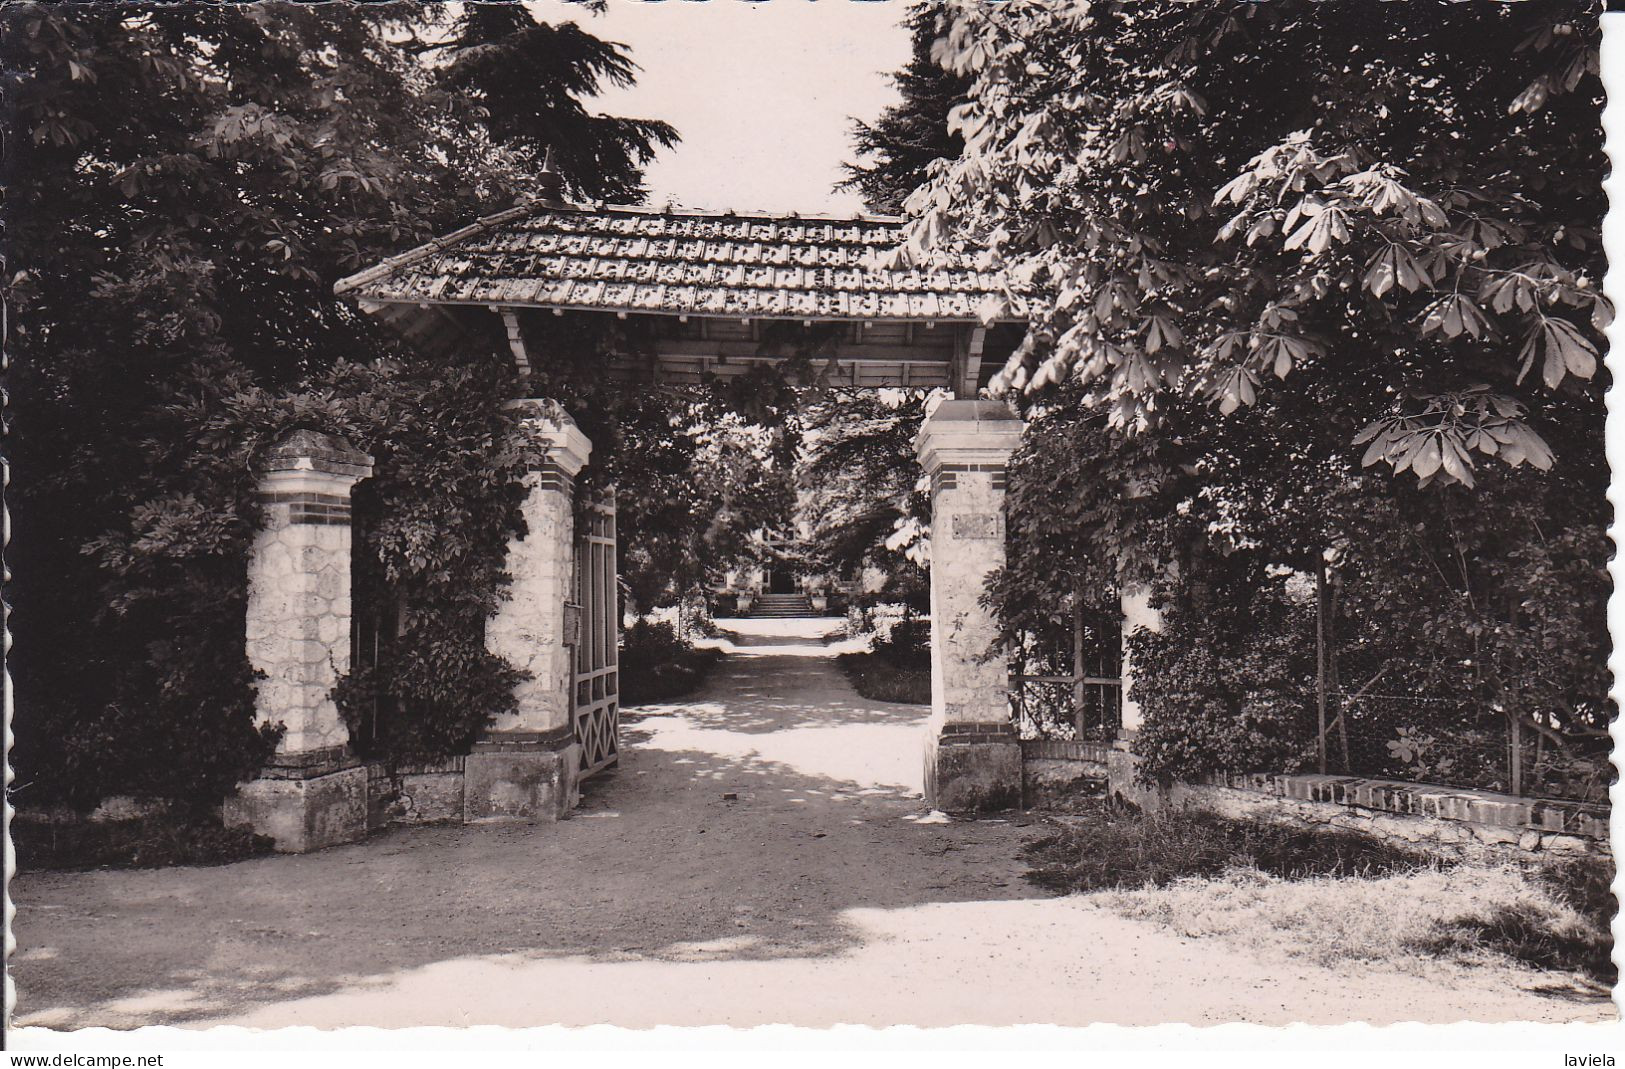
[(899, 147)]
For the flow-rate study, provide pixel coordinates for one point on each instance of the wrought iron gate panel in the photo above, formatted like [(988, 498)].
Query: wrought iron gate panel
[(597, 675), (1085, 703)]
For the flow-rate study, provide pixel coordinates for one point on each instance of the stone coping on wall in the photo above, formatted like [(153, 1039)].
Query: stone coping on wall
[(1065, 750), (1495, 816), (558, 738), (1429, 800), (449, 765)]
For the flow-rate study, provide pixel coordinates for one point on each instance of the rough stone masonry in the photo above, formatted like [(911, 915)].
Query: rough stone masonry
[(972, 754), (314, 792)]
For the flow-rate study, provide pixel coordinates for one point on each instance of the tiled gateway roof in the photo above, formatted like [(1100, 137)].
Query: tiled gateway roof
[(622, 259)]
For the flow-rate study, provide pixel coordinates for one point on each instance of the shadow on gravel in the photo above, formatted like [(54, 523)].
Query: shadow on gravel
[(739, 827)]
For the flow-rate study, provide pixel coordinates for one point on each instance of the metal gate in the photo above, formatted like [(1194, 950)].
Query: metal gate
[(597, 676), (1080, 697)]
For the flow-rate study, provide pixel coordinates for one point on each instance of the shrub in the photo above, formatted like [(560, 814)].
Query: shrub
[(423, 701), (907, 645), (658, 666), (146, 842), (898, 666), (880, 680), (1224, 689)]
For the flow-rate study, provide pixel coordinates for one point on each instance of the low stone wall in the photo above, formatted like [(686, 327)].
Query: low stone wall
[(411, 795), (1444, 821), (415, 794), (461, 790), (1057, 774), (1447, 821)]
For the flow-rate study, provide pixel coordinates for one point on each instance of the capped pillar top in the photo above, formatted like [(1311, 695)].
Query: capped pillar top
[(307, 450), (968, 432), (548, 421), (960, 410)]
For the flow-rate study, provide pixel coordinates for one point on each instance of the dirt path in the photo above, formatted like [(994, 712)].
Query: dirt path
[(822, 893)]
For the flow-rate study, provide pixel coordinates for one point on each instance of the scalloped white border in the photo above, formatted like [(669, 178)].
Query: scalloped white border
[(1239, 1045)]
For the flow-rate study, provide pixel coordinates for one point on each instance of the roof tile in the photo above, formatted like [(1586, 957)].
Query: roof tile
[(637, 259)]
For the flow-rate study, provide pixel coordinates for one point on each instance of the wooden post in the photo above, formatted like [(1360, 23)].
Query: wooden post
[(1077, 665), (1515, 748), (1339, 715), (1320, 660)]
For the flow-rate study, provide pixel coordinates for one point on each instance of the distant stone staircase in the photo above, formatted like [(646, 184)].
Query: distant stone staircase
[(781, 606)]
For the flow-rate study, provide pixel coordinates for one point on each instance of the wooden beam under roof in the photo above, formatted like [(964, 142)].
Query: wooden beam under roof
[(870, 374), (516, 343), (870, 355), (746, 350), (967, 361), (741, 363)]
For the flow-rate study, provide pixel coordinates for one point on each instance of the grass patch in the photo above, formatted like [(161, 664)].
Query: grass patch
[(1328, 920), (1111, 849), (1332, 896), (146, 842), (1563, 925), (658, 666)]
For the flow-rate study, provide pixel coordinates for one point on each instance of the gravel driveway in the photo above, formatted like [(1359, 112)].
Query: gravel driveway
[(761, 855)]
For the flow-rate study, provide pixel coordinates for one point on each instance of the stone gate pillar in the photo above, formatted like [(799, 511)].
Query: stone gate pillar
[(972, 755), (313, 793), (525, 765), (1122, 784), (1135, 604)]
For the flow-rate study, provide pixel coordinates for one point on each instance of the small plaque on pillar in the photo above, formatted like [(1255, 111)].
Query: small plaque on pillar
[(973, 525)]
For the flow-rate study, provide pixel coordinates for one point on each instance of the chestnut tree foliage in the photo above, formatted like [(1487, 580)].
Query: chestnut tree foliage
[(1210, 197), (1313, 284), (185, 183)]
